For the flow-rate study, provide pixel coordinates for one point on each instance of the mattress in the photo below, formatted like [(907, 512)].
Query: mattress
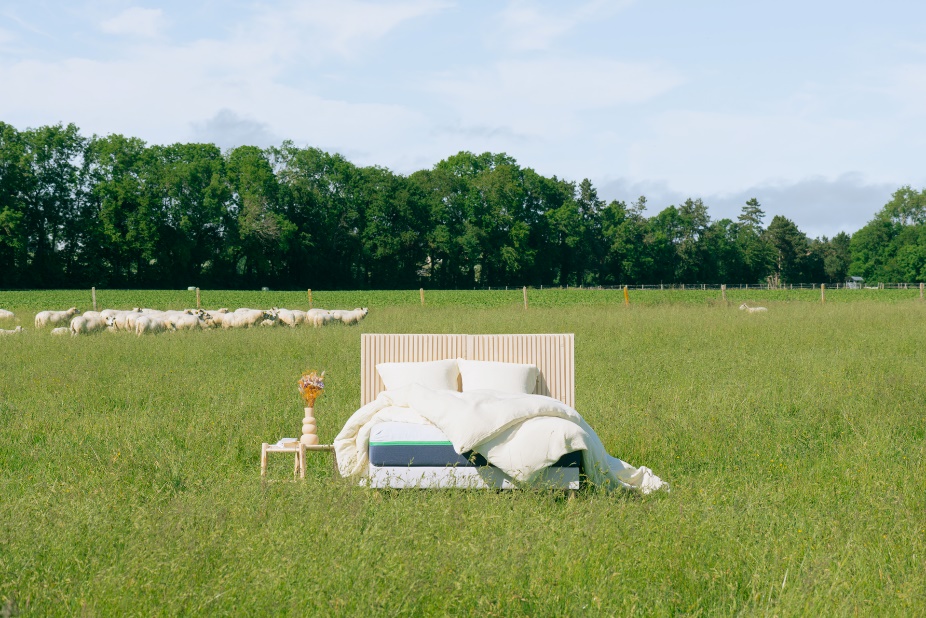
[(415, 445), (406, 455)]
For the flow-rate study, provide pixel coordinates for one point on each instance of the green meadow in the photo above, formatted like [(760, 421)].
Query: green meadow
[(793, 441)]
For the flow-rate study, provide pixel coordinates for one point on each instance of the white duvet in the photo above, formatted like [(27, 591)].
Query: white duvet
[(519, 434)]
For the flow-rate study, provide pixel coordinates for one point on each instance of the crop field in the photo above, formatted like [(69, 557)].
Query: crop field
[(35, 301), (793, 440)]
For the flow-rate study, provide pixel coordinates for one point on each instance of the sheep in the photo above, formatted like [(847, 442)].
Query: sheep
[(6, 315), (54, 318), (187, 322), (15, 331), (748, 309), (131, 319), (285, 316), (299, 317), (82, 325), (148, 325), (252, 317), (121, 319), (356, 315), (215, 318), (318, 317), (61, 330), (349, 317)]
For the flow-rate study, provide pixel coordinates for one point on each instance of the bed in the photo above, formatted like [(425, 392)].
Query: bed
[(474, 411), (403, 455)]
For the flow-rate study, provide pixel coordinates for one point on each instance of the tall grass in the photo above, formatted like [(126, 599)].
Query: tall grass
[(793, 440)]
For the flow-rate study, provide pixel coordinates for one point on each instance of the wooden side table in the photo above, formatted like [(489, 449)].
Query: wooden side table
[(299, 449)]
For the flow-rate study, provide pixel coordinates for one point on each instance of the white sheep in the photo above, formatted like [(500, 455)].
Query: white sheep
[(149, 325), (82, 325), (121, 319), (214, 317), (248, 318), (300, 317), (130, 319), (349, 317), (187, 321), (15, 331), (318, 317), (54, 318), (285, 317), (748, 309), (6, 315), (60, 330)]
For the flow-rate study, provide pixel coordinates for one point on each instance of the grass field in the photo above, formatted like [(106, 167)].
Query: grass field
[(793, 440)]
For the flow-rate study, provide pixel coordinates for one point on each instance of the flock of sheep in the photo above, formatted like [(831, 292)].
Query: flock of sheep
[(153, 321)]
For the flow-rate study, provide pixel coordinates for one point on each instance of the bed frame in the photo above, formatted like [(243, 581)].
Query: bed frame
[(553, 354)]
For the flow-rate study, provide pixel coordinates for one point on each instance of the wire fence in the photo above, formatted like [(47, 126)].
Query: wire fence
[(838, 285)]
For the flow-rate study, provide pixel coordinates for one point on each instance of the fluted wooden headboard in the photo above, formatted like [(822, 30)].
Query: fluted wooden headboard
[(554, 355)]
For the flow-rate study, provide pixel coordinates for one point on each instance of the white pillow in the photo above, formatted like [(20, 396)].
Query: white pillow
[(439, 375), (508, 377)]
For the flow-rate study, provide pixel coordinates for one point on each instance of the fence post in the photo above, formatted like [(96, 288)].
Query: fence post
[(524, 289), (93, 296), (197, 298), (822, 292), (921, 291), (723, 291), (626, 297), (421, 292), (310, 297)]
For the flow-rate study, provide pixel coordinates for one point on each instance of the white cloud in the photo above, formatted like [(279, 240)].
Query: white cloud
[(228, 130), (725, 152), (544, 97), (6, 36), (906, 83), (525, 26), (819, 206), (310, 30), (135, 21), (166, 95)]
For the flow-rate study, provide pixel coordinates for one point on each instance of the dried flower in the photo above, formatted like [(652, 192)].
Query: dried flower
[(311, 385)]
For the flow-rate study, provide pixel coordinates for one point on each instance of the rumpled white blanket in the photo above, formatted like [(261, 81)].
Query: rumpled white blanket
[(520, 434)]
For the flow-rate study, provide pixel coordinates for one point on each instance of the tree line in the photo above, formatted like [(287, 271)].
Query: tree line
[(116, 212)]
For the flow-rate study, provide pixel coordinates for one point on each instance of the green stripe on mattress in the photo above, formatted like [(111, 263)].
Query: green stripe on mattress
[(412, 443)]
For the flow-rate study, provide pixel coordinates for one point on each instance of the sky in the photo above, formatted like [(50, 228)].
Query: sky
[(817, 109)]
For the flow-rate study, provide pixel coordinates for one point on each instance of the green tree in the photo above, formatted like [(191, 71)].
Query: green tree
[(891, 246), (394, 236), (758, 257), (192, 196), (624, 232), (14, 237), (50, 195), (319, 195), (693, 252), (117, 223), (837, 257), (258, 234), (791, 250)]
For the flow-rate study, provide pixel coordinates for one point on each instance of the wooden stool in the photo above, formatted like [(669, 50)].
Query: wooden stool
[(294, 447)]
